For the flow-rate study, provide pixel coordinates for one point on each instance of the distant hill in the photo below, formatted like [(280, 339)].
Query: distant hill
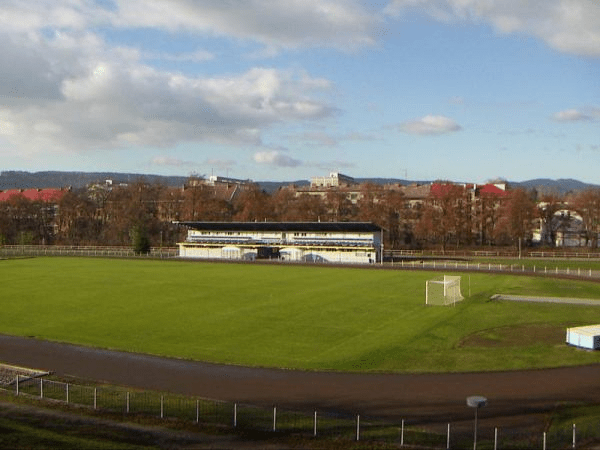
[(561, 186), (58, 179)]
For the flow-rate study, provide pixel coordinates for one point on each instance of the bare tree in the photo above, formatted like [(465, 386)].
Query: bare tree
[(445, 216), (517, 215), (252, 205), (587, 204), (549, 205), (77, 223)]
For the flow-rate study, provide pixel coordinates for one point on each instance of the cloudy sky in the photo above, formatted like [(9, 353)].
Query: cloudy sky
[(466, 90)]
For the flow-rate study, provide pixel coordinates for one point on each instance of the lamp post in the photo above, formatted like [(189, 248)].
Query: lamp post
[(476, 402)]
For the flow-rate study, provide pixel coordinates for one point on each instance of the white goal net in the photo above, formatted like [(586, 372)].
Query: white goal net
[(443, 291)]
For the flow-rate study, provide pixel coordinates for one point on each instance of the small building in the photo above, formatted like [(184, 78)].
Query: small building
[(327, 242), (334, 180), (584, 337)]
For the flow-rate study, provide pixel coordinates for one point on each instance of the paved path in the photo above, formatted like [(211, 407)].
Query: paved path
[(527, 298), (426, 398)]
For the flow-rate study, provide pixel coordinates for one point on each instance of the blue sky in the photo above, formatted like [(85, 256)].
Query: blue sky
[(464, 90)]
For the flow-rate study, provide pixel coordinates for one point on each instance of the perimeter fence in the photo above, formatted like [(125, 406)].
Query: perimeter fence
[(279, 422), (408, 259), (468, 266), (71, 250), (574, 253)]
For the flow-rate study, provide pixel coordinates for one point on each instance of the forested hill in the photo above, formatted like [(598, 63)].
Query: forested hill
[(58, 179)]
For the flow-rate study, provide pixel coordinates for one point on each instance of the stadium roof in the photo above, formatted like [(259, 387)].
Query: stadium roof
[(350, 227)]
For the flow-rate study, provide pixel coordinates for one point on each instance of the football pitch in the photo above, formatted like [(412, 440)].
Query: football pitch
[(300, 317)]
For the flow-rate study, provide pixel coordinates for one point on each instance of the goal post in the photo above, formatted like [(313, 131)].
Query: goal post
[(443, 291)]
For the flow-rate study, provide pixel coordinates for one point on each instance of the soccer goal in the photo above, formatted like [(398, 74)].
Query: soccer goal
[(443, 291)]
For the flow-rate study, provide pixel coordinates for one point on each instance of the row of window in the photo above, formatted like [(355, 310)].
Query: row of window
[(298, 234)]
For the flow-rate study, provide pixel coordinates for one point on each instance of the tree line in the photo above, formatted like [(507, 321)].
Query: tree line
[(142, 214)]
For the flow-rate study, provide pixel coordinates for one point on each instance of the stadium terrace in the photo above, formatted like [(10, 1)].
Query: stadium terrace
[(334, 242)]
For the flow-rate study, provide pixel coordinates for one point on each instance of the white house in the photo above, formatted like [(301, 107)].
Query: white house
[(334, 242)]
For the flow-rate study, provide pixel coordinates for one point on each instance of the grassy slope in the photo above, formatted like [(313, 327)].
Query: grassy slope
[(286, 316)]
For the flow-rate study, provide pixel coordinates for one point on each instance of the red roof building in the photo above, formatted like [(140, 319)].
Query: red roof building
[(491, 190), (49, 195)]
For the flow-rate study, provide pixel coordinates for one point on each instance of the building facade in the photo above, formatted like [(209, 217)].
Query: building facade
[(326, 242)]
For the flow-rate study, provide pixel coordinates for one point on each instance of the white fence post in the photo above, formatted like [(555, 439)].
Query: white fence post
[(274, 418), (358, 427), (544, 444), (41, 388), (315, 424), (95, 397), (17, 385), (235, 411), (402, 434), (496, 438), (127, 403), (448, 438), (574, 436)]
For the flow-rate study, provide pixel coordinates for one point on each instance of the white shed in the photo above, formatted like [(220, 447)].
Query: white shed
[(584, 337)]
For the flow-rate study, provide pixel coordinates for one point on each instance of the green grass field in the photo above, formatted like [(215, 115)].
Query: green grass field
[(292, 316)]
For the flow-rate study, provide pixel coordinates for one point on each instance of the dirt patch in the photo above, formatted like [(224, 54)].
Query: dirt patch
[(516, 336)]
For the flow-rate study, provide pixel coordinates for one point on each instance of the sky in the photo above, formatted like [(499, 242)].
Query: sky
[(283, 90)]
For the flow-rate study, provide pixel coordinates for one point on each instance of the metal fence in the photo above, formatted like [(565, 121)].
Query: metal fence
[(467, 266), (70, 250), (427, 263), (316, 424), (501, 253)]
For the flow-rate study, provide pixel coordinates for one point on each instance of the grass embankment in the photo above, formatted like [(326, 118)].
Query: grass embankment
[(292, 316)]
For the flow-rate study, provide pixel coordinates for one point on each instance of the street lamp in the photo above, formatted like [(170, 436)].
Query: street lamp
[(476, 402)]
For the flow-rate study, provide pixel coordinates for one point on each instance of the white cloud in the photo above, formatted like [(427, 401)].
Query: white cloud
[(168, 161), (197, 56), (571, 26), (570, 115), (430, 126), (221, 164), (275, 158), (101, 97), (343, 24)]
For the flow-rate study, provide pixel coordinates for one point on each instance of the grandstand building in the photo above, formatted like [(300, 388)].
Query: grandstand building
[(334, 242)]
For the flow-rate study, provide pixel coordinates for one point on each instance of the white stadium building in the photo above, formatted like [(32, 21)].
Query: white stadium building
[(327, 242)]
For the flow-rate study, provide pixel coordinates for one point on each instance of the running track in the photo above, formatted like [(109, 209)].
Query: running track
[(425, 398)]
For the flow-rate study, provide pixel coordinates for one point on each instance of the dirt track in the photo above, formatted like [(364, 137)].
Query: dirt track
[(516, 397)]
